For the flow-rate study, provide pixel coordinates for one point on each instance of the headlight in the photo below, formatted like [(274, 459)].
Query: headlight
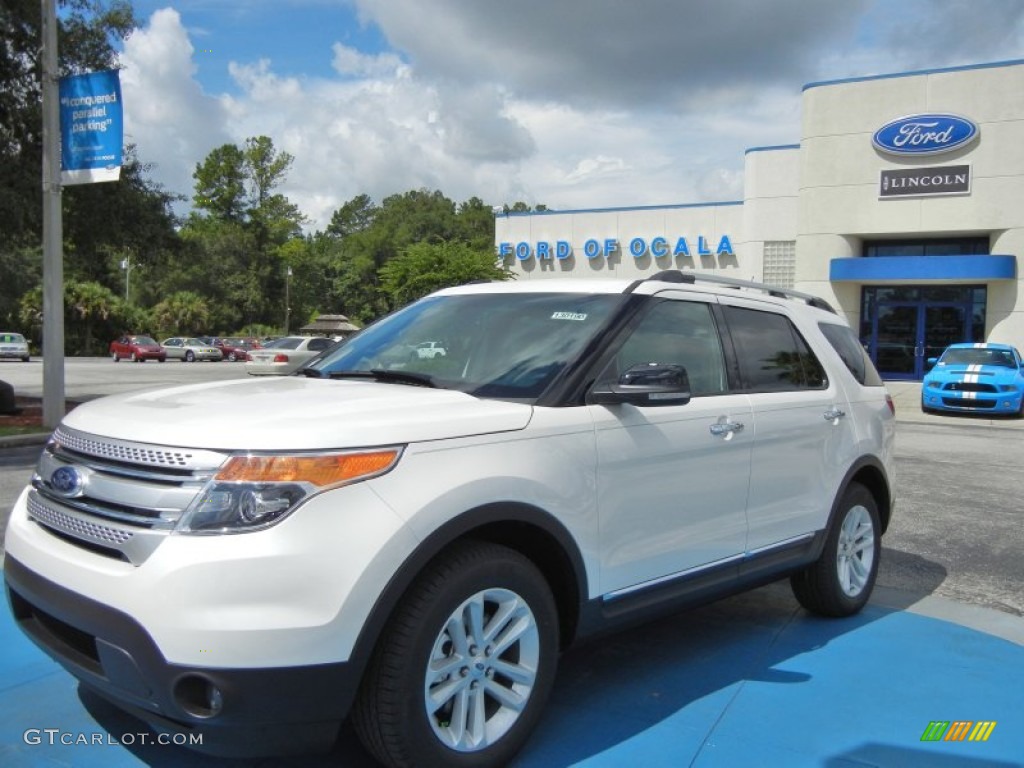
[(256, 491), (934, 385)]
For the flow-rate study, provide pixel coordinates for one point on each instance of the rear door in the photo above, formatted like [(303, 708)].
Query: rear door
[(803, 430)]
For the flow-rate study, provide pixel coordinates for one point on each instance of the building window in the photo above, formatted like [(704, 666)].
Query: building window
[(780, 263), (939, 246)]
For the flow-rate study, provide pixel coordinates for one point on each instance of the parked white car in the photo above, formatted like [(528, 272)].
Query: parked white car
[(285, 355), (413, 542), (13, 345), (190, 349), (428, 350)]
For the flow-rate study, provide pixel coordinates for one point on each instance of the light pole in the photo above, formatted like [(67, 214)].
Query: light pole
[(126, 265), (287, 298)]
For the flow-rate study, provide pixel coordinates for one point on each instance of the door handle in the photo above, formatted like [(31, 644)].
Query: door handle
[(725, 428), (834, 414)]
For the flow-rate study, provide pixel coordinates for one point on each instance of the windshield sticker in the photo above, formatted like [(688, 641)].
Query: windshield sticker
[(577, 316)]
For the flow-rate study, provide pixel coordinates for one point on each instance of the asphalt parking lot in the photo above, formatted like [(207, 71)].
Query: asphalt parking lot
[(752, 680)]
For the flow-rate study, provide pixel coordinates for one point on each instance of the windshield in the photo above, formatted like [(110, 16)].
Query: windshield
[(978, 356), (500, 345), (144, 340)]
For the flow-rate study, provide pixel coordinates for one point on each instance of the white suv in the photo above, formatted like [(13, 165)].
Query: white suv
[(413, 542)]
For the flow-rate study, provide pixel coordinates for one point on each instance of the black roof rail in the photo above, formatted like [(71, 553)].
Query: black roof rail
[(678, 276)]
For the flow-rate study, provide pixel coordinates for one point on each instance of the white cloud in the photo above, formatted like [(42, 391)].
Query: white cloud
[(623, 104), (167, 115)]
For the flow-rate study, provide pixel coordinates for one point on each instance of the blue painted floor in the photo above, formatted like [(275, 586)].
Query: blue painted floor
[(751, 681)]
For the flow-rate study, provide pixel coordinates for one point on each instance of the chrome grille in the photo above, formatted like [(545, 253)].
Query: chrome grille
[(126, 496), (135, 453), (76, 526)]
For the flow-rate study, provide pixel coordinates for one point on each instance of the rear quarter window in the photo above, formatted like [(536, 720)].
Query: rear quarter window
[(844, 342)]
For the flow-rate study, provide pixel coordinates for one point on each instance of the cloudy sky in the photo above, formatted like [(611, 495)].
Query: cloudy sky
[(569, 103)]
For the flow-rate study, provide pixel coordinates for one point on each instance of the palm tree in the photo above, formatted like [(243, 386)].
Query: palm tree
[(184, 312)]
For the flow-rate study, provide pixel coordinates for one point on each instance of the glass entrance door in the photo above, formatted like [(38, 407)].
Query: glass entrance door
[(896, 328), (905, 334)]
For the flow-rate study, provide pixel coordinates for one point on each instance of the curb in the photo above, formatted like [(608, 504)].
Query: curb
[(18, 441)]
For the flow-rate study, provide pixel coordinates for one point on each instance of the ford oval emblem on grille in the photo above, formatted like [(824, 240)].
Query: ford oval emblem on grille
[(66, 481)]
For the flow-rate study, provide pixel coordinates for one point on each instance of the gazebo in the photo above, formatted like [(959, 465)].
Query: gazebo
[(331, 325)]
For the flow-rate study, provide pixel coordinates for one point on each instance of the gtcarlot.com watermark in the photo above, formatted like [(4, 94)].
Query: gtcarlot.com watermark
[(55, 736)]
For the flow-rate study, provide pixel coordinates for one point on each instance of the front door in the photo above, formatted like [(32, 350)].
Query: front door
[(905, 334)]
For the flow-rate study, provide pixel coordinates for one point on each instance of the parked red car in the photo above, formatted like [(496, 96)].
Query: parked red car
[(138, 349)]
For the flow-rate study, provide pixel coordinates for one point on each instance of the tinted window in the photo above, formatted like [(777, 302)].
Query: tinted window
[(676, 333), (773, 357), (853, 355)]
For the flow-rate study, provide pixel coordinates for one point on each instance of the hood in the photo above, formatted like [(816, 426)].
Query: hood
[(295, 413), (999, 373)]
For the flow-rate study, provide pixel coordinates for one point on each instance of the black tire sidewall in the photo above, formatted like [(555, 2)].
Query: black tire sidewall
[(818, 588), (426, 609)]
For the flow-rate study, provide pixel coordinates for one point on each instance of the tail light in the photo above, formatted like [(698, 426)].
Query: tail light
[(892, 405), (279, 358)]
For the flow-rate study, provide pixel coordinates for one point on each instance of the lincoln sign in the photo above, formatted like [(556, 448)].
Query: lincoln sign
[(921, 182)]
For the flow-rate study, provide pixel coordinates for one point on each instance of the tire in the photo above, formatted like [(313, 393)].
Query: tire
[(392, 715), (136, 358), (26, 359), (232, 357), (190, 356), (115, 357), (840, 582)]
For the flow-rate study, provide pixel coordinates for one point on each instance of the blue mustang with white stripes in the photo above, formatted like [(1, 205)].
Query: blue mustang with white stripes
[(980, 378)]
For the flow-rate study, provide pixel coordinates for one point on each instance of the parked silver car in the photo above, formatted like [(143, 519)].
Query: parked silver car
[(190, 349), (285, 355)]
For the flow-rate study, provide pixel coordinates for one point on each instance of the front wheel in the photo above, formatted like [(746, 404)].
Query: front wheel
[(115, 357), (464, 666), (190, 357), (840, 582), (136, 358)]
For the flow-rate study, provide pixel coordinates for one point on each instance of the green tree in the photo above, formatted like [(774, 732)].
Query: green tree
[(426, 267), (220, 184), (93, 316), (354, 216), (185, 313), (474, 224), (86, 35)]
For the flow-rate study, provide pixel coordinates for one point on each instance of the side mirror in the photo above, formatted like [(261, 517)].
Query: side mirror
[(646, 384), (932, 361)]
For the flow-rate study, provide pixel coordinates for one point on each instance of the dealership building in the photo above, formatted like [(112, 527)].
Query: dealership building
[(902, 205)]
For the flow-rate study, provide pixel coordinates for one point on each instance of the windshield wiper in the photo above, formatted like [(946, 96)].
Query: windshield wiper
[(381, 374)]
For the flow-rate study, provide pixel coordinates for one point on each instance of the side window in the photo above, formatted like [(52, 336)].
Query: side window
[(773, 357), (678, 333), (844, 341), (318, 345)]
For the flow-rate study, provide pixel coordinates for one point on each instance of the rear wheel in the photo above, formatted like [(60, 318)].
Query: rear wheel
[(115, 357), (465, 664), (840, 582)]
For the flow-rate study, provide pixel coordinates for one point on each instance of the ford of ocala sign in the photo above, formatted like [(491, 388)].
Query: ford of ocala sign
[(924, 134)]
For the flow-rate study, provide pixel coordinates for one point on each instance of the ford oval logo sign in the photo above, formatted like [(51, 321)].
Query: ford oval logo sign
[(66, 481), (924, 134)]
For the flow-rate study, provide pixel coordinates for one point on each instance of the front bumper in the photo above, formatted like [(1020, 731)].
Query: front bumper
[(971, 402), (257, 711)]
